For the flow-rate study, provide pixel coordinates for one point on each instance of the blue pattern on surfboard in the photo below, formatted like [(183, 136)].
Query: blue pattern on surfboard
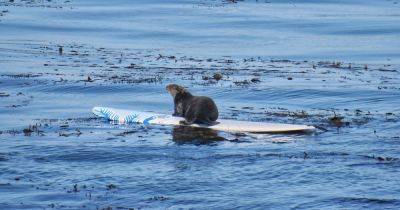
[(147, 120), (131, 118), (109, 114)]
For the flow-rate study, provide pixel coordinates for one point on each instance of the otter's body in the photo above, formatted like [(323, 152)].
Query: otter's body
[(195, 109)]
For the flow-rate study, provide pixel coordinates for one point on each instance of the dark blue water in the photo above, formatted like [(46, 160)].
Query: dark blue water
[(334, 65)]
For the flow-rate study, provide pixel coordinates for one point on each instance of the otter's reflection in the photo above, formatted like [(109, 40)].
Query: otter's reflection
[(193, 135)]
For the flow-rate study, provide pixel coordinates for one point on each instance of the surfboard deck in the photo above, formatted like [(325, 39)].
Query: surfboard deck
[(147, 118)]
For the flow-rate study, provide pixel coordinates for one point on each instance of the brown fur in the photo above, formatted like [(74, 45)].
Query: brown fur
[(195, 109)]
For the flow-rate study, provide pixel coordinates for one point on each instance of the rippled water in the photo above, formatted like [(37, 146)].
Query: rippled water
[(331, 64)]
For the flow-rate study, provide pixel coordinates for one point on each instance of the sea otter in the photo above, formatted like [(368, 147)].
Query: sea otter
[(195, 109)]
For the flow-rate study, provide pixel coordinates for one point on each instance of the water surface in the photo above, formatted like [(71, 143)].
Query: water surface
[(331, 64)]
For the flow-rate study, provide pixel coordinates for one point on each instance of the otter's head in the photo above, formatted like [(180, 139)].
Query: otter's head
[(175, 89)]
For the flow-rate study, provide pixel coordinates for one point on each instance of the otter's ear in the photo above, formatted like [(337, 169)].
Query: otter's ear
[(180, 89)]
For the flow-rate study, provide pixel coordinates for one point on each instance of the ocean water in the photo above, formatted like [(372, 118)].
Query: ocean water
[(331, 64)]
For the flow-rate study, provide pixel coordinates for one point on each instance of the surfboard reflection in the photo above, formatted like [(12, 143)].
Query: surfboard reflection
[(193, 135)]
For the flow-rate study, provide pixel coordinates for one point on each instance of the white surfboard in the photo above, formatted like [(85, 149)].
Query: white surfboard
[(147, 118)]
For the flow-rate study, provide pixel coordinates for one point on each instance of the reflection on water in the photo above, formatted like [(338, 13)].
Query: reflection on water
[(193, 135)]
